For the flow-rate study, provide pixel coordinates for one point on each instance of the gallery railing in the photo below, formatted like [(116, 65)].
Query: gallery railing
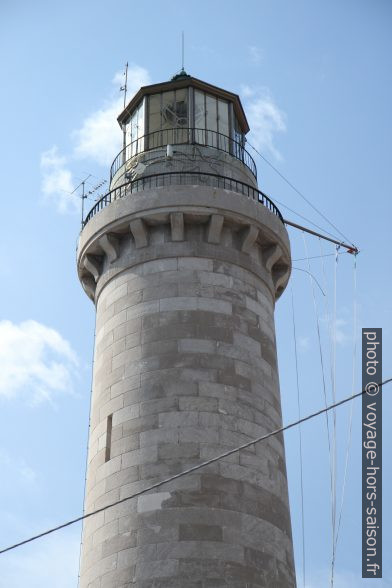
[(182, 178), (181, 136)]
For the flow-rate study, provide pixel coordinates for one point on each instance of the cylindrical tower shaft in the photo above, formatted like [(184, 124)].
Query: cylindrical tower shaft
[(184, 271)]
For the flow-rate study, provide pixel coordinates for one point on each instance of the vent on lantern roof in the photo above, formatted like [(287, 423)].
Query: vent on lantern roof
[(180, 76)]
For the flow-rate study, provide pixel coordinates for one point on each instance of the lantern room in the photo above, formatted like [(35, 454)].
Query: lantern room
[(183, 125)]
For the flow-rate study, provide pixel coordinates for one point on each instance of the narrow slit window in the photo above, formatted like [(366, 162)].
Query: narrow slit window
[(109, 426)]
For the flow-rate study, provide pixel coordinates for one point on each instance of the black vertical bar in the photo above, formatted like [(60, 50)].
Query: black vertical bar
[(108, 447)]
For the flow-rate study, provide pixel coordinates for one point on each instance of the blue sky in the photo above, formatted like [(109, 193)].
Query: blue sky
[(315, 80)]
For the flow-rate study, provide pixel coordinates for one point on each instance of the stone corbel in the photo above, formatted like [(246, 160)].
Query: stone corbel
[(271, 255), (280, 276), (92, 265), (250, 236), (139, 232), (89, 286), (177, 226), (215, 228), (110, 245)]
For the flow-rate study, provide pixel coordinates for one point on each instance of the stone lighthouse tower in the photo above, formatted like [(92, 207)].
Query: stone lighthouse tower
[(184, 259)]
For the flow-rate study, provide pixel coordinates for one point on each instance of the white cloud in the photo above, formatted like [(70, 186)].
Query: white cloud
[(265, 119), (99, 138), (337, 331), (57, 181), (16, 469), (119, 79), (341, 332), (303, 343), (47, 563), (35, 361), (255, 54), (247, 91), (137, 77)]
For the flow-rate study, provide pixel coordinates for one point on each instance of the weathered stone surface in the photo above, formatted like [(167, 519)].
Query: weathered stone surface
[(185, 369), (110, 245), (177, 226), (249, 238), (139, 232), (215, 228)]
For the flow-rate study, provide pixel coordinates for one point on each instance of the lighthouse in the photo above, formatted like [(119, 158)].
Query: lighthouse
[(184, 259)]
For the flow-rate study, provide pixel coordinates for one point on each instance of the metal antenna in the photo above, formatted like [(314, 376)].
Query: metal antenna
[(95, 188), (124, 88), (83, 196), (182, 49)]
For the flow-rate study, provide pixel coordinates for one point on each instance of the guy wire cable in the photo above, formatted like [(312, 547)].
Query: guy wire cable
[(334, 452), (300, 442), (194, 468), (316, 313), (299, 193), (349, 437), (88, 436), (330, 335)]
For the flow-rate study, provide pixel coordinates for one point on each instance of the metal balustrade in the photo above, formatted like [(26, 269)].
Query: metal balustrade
[(183, 136), (182, 178)]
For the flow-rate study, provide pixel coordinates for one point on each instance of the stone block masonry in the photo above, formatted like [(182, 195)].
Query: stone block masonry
[(185, 368)]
